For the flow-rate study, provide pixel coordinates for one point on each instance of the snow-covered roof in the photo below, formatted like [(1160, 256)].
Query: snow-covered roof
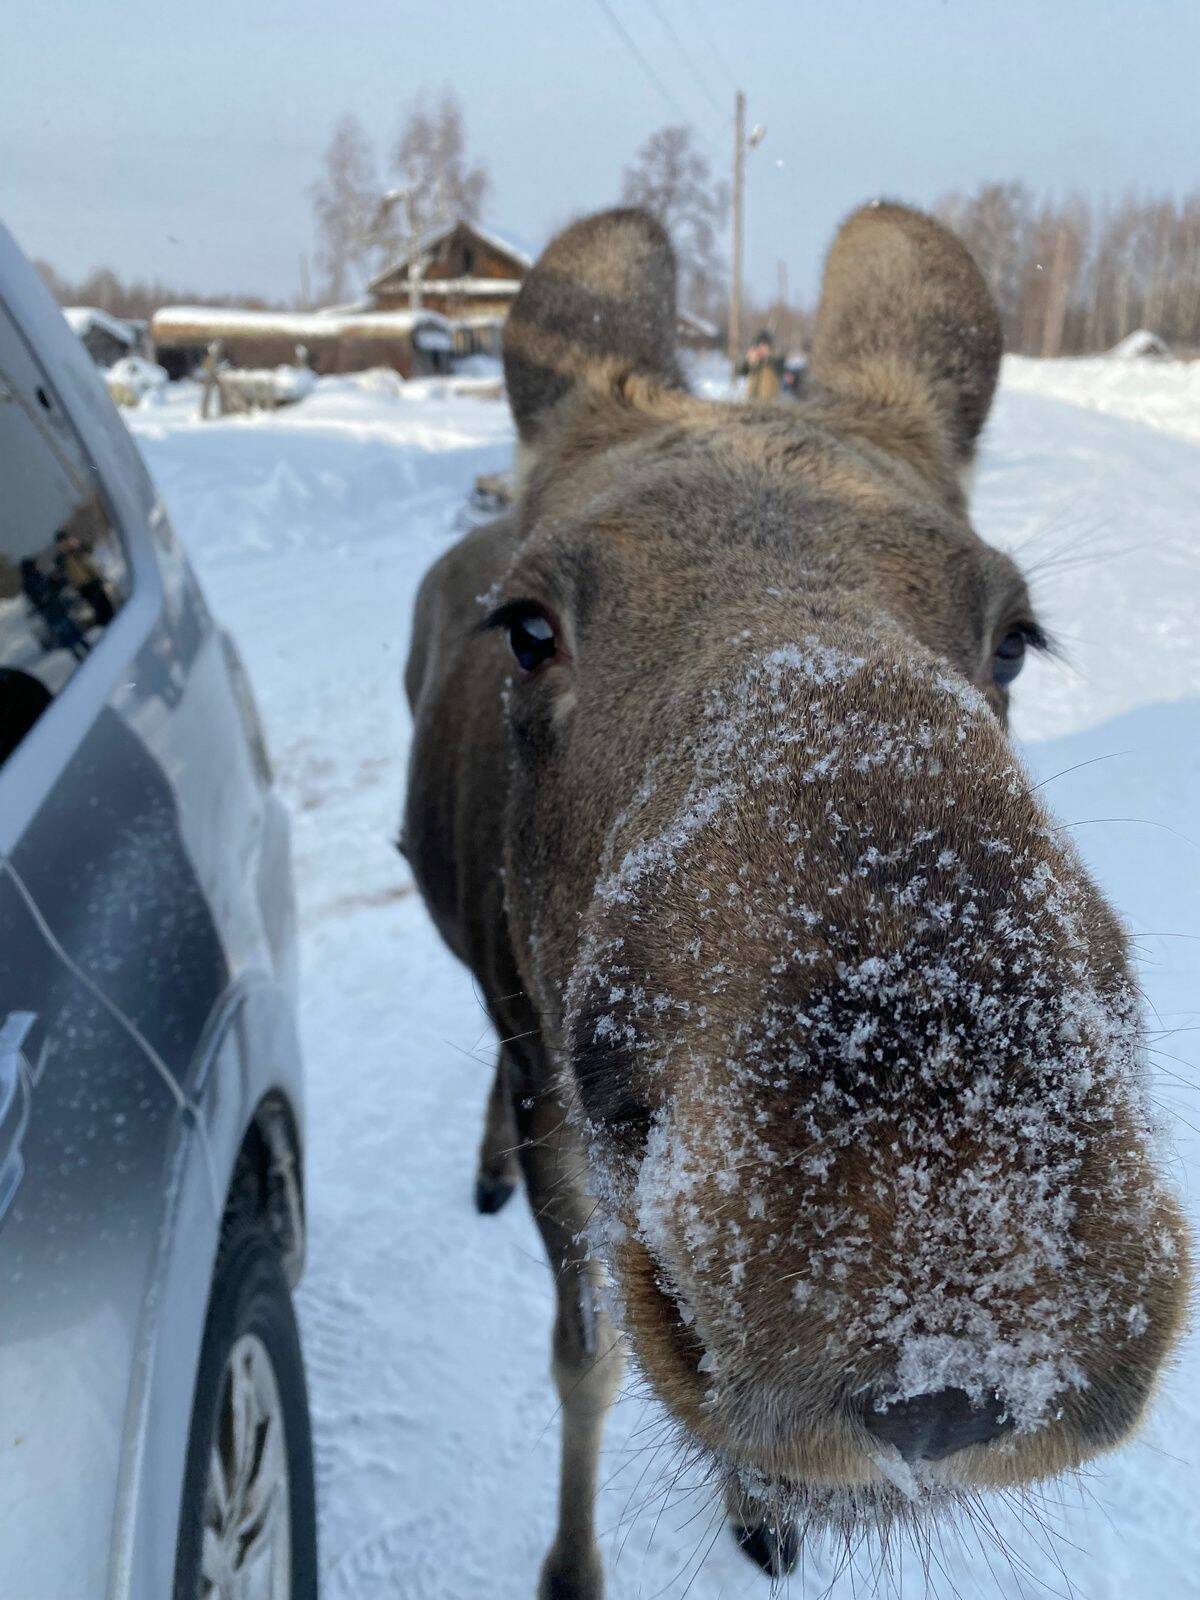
[(1140, 344), (697, 324), (82, 319), (200, 324), (433, 237), (344, 310)]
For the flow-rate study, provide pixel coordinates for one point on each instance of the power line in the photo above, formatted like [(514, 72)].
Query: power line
[(631, 45), (706, 34), (686, 57)]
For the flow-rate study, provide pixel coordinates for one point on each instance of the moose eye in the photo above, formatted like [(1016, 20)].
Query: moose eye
[(532, 640), (531, 634), (1009, 657)]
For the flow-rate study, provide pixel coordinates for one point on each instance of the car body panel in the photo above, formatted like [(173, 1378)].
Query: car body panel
[(146, 917), (75, 1247)]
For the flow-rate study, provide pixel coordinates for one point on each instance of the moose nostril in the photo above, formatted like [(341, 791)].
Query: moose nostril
[(930, 1426)]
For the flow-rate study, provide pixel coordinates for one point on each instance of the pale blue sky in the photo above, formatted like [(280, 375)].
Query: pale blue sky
[(179, 139)]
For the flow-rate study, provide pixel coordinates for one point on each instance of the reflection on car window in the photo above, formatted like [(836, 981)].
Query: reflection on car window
[(63, 572)]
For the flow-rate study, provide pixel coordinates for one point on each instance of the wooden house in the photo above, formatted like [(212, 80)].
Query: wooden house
[(466, 272), (461, 270)]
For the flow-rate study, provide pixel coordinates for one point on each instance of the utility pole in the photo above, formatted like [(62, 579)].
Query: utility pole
[(741, 143), (739, 179)]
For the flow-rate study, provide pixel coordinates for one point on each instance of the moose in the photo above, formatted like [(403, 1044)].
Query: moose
[(821, 1053)]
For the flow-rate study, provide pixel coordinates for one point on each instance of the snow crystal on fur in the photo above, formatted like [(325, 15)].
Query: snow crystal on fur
[(925, 994)]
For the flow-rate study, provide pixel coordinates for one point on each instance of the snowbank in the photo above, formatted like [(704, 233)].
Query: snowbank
[(266, 386), (131, 378), (1162, 394)]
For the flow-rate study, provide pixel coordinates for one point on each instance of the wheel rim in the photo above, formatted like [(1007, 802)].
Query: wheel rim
[(246, 1550)]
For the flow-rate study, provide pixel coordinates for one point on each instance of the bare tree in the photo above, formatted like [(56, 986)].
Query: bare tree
[(1063, 237), (434, 177), (347, 211), (675, 183), (993, 223), (1069, 279)]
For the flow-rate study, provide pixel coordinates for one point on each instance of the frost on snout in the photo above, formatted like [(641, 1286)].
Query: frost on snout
[(858, 1056)]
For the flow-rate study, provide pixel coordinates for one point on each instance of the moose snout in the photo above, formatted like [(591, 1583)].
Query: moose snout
[(862, 1078), (929, 1427)]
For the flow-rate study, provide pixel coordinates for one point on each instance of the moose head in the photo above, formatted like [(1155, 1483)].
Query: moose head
[(833, 1040)]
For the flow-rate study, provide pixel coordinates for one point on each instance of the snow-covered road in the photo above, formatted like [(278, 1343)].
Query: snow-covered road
[(426, 1327)]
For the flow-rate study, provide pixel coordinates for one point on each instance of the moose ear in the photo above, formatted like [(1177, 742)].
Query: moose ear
[(907, 331), (598, 306)]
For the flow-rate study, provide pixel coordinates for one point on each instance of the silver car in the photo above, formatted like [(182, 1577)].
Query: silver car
[(154, 1434)]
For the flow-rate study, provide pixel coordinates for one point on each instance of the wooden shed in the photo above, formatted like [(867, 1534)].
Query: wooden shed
[(414, 344), (105, 338)]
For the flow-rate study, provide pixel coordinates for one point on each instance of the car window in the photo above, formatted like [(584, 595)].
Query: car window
[(63, 571)]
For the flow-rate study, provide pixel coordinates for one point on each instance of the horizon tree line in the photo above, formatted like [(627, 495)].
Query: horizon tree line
[(1072, 276)]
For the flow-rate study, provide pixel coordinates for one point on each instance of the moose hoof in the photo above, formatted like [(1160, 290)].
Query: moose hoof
[(773, 1547), (492, 1194)]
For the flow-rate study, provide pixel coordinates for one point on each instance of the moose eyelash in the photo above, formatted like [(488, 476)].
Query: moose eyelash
[(1036, 637), (505, 615)]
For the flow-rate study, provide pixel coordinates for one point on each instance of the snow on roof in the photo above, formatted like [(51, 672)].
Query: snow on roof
[(1140, 344), (502, 243), (697, 324), (199, 324), (82, 319), (344, 310), (430, 239)]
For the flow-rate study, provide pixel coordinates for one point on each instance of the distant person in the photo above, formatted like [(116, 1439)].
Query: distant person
[(761, 369), (78, 571), (46, 596), (794, 376)]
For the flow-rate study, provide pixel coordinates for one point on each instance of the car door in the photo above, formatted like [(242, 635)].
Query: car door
[(92, 1118)]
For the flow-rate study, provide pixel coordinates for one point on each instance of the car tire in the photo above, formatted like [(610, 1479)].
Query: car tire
[(250, 1368)]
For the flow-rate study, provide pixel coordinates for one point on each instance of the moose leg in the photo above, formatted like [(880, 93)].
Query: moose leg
[(587, 1356), (498, 1171), (770, 1543)]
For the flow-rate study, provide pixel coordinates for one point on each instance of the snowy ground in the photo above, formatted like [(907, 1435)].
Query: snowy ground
[(426, 1327), (1162, 394)]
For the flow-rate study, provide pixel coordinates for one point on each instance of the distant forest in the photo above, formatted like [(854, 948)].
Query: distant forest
[(106, 290), (1070, 276)]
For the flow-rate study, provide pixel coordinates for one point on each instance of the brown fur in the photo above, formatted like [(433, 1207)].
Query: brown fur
[(765, 908)]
